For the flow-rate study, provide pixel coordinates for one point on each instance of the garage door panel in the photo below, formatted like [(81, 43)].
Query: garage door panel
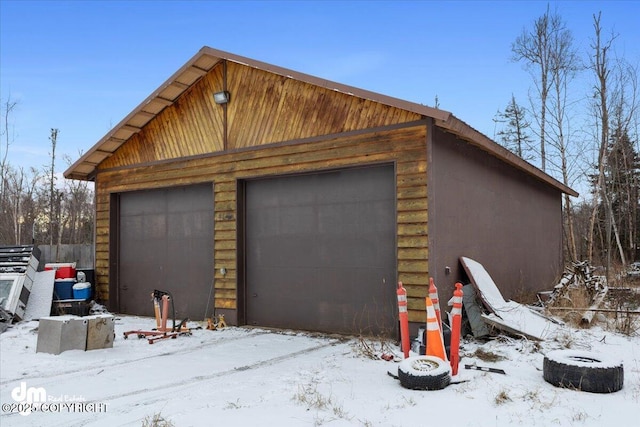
[(189, 225), (377, 216), (349, 307), (297, 220), (291, 248), (266, 222), (323, 246), (166, 243), (336, 252), (310, 301), (288, 249), (297, 289), (154, 227), (186, 255), (330, 218), (134, 224), (189, 200), (144, 202)]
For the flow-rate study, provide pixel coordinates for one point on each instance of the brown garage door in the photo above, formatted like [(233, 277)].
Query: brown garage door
[(166, 243), (320, 251)]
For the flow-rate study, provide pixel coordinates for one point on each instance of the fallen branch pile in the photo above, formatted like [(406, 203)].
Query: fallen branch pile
[(579, 287), (581, 294)]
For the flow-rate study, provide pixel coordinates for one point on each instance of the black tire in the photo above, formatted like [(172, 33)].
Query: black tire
[(424, 373), (583, 370)]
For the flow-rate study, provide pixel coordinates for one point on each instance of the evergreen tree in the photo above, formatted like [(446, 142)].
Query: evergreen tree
[(623, 183), (515, 135)]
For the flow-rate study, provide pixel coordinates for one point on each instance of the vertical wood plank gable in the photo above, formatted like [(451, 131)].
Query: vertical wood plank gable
[(193, 125), (265, 108)]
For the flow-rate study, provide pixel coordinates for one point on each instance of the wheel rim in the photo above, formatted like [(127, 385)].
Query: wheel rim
[(424, 365), (585, 359)]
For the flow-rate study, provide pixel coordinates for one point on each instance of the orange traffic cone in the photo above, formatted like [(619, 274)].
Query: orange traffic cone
[(456, 321), (433, 294), (404, 319), (435, 342)]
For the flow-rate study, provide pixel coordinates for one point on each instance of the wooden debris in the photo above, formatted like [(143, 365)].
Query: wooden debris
[(597, 300), (597, 310), (579, 287)]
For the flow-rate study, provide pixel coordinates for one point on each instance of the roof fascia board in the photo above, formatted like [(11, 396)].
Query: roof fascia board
[(331, 85), (154, 96)]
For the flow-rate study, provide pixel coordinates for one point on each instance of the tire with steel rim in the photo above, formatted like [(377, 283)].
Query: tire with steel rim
[(424, 373), (583, 370)]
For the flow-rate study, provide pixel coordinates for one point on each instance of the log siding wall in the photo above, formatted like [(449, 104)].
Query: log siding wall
[(404, 146), (275, 125)]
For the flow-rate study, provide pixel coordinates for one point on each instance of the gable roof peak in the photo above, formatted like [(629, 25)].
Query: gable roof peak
[(207, 58)]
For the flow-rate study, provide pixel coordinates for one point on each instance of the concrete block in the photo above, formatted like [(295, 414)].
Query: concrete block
[(61, 333), (100, 331)]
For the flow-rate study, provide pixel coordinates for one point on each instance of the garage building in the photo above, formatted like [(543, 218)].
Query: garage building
[(283, 200)]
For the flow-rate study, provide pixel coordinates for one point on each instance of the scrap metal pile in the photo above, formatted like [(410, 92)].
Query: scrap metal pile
[(18, 265)]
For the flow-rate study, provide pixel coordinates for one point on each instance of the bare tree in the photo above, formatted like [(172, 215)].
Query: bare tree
[(615, 105), (14, 189), (33, 204), (563, 66), (600, 66), (548, 53), (534, 48), (78, 202), (52, 184), (30, 204), (9, 106), (19, 211)]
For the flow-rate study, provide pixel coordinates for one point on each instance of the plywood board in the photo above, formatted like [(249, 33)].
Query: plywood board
[(487, 290), (473, 309), (518, 319)]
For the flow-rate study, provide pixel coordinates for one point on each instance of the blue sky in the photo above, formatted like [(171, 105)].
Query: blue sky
[(82, 66)]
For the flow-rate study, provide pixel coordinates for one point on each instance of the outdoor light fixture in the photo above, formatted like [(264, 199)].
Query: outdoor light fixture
[(221, 97)]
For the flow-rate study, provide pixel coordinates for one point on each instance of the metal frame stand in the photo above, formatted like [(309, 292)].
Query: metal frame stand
[(162, 331)]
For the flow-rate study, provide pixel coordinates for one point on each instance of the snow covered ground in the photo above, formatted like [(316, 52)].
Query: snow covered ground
[(249, 377)]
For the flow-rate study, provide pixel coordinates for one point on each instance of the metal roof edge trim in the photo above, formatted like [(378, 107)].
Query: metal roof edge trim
[(331, 85)]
